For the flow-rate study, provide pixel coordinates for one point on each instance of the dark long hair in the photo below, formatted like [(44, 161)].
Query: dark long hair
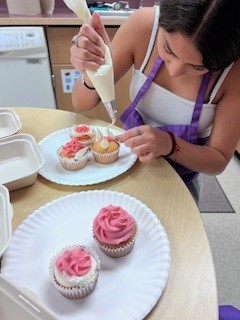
[(212, 25)]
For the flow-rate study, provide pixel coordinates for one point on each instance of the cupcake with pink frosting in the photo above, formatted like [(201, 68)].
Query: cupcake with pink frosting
[(84, 134), (115, 231), (73, 155), (74, 271)]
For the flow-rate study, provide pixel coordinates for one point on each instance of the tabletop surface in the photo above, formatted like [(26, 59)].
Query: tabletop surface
[(191, 291)]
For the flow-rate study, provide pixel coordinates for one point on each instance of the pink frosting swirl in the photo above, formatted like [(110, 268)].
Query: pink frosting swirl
[(75, 262), (83, 131), (82, 128), (72, 147), (113, 225)]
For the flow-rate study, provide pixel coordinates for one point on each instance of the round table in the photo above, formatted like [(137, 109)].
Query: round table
[(191, 291)]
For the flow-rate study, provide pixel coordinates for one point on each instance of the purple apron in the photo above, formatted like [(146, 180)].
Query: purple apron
[(228, 313), (131, 118)]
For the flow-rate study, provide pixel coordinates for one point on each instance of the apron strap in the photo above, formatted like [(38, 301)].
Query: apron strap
[(142, 90), (148, 82), (200, 99)]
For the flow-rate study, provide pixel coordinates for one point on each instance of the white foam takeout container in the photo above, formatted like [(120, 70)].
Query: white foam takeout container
[(9, 122), (6, 214), (20, 161), (21, 304)]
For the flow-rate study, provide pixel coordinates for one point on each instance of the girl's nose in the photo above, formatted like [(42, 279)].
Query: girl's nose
[(176, 68)]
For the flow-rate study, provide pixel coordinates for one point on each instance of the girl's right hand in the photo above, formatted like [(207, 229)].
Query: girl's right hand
[(87, 52)]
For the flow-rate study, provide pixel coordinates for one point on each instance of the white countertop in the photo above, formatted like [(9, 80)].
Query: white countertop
[(59, 17)]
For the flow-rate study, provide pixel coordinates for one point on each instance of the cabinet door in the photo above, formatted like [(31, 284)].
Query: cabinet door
[(59, 41)]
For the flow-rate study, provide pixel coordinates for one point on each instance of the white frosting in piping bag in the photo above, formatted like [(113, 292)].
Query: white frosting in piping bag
[(80, 8), (103, 77)]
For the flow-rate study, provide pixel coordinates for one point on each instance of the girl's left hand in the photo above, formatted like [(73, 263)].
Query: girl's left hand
[(146, 142)]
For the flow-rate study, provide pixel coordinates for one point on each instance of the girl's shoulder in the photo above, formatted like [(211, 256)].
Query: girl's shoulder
[(233, 77), (229, 89), (142, 19)]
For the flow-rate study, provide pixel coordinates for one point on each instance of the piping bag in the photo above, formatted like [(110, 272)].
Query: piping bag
[(103, 77)]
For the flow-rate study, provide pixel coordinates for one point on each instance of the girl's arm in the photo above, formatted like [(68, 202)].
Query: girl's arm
[(129, 39)]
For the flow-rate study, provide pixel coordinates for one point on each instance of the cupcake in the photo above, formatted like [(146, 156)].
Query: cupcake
[(105, 149), (74, 271), (83, 133), (114, 230), (73, 155)]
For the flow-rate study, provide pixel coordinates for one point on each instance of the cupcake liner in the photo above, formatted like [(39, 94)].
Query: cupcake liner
[(78, 291), (118, 250), (72, 164), (105, 158)]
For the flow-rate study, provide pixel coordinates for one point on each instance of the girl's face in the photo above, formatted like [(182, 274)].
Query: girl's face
[(179, 54)]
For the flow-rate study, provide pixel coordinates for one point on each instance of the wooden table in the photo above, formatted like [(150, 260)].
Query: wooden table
[(190, 293)]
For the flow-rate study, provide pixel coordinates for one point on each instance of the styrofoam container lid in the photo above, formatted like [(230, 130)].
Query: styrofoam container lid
[(9, 122), (6, 214), (21, 304), (20, 161)]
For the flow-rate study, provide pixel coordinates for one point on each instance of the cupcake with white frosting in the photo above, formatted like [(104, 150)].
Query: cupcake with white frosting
[(83, 133), (73, 155), (105, 149), (74, 271)]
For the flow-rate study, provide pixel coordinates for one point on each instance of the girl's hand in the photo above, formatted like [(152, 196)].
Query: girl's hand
[(146, 142), (87, 53)]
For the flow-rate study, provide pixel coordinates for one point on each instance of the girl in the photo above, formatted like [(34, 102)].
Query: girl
[(185, 87)]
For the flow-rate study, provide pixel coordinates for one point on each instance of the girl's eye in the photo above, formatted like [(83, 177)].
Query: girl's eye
[(167, 49), (199, 68)]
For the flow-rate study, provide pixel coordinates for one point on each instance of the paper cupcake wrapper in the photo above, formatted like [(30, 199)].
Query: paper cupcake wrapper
[(118, 251), (74, 292), (72, 164), (105, 158)]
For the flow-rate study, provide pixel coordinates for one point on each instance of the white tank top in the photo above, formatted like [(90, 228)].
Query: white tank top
[(160, 107)]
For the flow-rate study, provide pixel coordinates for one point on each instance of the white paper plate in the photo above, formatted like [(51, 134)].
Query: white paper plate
[(127, 288), (92, 173)]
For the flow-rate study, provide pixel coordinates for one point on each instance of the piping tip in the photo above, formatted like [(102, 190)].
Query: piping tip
[(112, 110)]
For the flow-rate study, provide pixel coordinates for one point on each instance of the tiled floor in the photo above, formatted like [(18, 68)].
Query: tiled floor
[(223, 232)]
